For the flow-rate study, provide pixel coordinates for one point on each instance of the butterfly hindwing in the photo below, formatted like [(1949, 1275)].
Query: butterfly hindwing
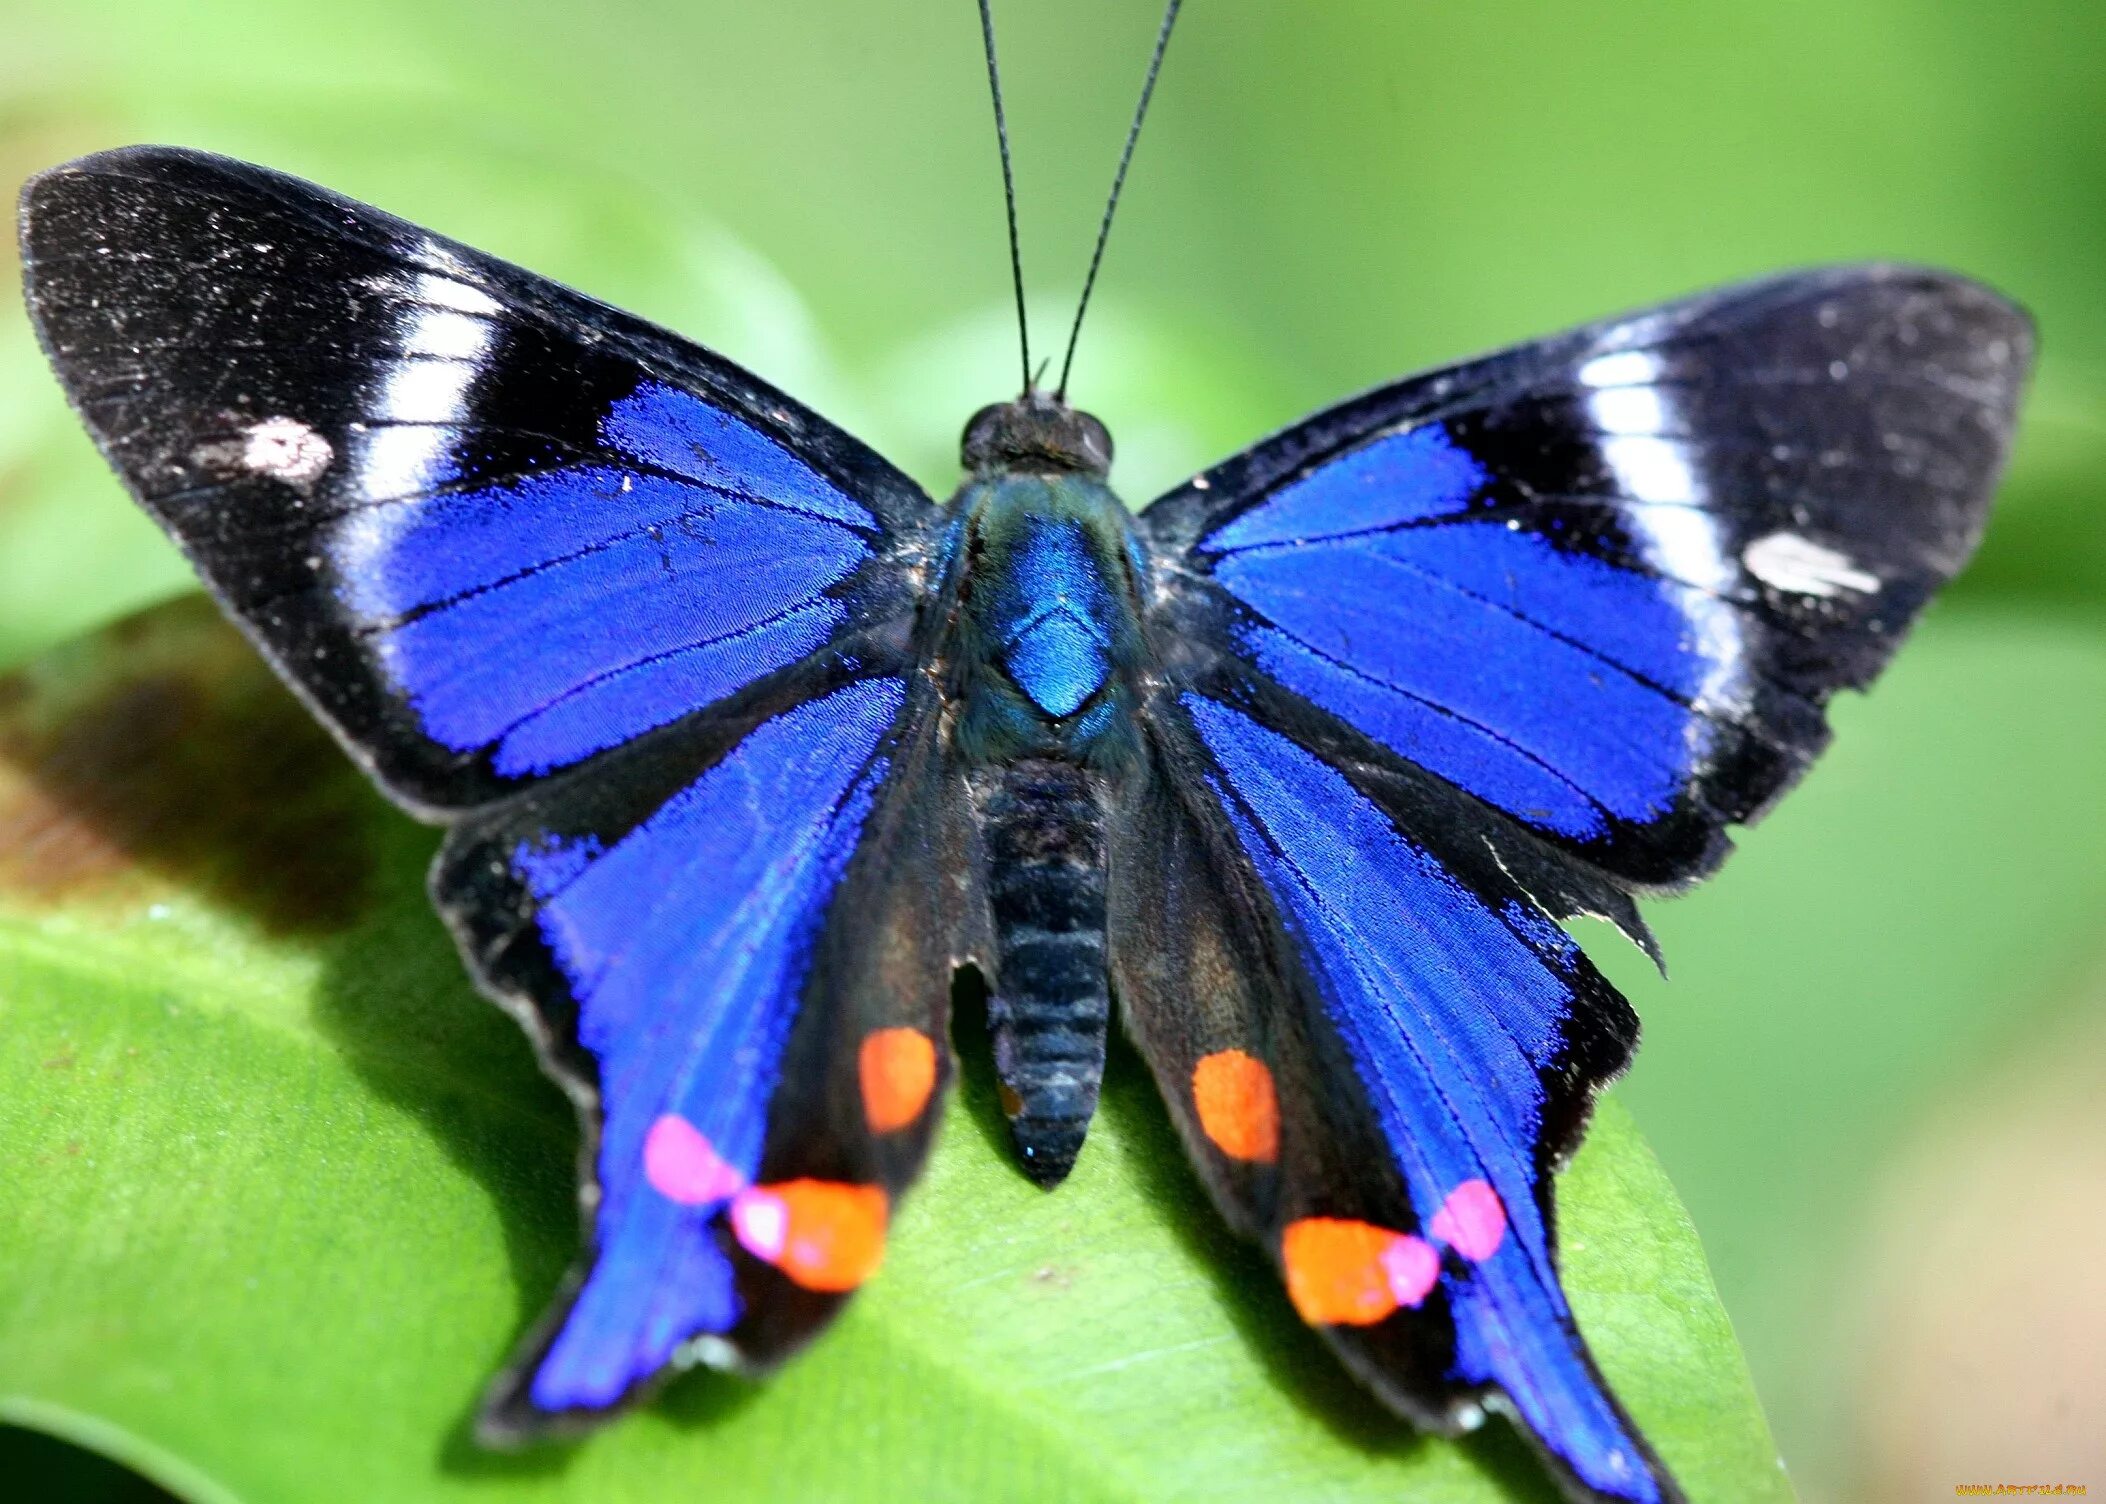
[(1606, 582), (743, 975), (1378, 1046), (486, 526), (639, 629)]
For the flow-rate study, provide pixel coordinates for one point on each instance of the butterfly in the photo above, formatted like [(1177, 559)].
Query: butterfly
[(745, 746)]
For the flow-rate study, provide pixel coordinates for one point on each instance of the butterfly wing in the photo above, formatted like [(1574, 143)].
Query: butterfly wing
[(1378, 1044), (743, 974), (639, 628), (1607, 581), (1465, 657), (487, 527)]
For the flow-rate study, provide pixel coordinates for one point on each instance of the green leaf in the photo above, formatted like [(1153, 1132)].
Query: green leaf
[(283, 1191)]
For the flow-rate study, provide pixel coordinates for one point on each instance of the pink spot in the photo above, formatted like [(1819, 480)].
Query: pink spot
[(1411, 1266), (1471, 1221), (762, 1222), (682, 1166)]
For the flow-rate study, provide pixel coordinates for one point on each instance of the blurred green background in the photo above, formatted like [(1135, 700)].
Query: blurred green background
[(1893, 1151)]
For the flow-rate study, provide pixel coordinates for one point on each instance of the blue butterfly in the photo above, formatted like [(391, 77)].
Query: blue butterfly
[(746, 746)]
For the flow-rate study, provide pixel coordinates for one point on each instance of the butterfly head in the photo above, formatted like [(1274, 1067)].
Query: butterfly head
[(1036, 432)]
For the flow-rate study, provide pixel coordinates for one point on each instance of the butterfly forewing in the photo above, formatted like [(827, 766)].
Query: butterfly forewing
[(486, 526), (1606, 582)]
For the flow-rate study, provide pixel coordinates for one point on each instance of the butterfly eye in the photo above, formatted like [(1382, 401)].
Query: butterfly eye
[(1035, 433)]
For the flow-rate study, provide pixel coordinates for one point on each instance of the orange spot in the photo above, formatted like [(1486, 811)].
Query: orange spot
[(1238, 1108), (1012, 1104), (823, 1234), (1346, 1273), (898, 1071)]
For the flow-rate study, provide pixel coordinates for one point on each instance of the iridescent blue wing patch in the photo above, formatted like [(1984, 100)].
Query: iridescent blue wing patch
[(637, 626), (1607, 581)]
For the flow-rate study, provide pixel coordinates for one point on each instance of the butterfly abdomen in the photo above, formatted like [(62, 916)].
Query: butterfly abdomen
[(1042, 821)]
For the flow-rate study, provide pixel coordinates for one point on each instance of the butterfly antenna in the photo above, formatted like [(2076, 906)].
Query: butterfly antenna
[(1111, 205), (1016, 259)]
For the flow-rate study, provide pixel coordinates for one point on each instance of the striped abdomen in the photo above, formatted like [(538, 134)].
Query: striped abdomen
[(1043, 824)]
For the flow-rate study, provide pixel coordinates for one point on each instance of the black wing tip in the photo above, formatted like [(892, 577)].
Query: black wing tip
[(128, 158), (154, 162), (2005, 316), (151, 159), (1837, 276), (147, 166), (2000, 330), (1989, 303)]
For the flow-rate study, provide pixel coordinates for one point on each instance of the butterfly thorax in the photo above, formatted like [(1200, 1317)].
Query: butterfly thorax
[(1043, 620), (1041, 606)]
